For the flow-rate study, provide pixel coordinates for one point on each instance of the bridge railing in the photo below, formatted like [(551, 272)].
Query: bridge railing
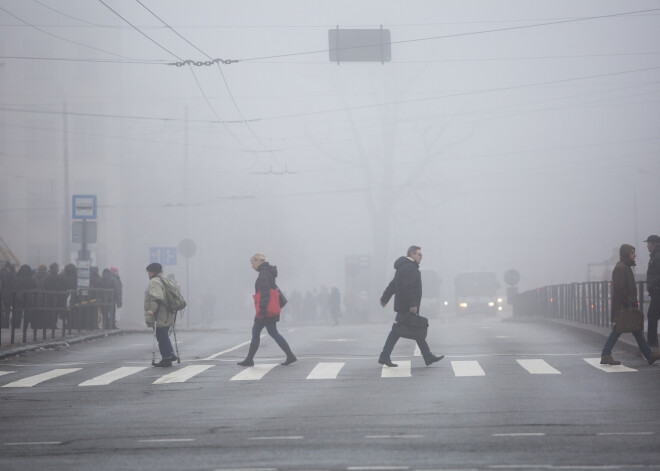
[(48, 311), (584, 303)]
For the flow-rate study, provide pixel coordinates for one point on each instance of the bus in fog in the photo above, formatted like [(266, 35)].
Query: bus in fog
[(477, 292)]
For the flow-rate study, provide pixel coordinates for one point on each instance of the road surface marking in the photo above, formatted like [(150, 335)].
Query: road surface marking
[(521, 434), (326, 370), (167, 440), (401, 371), (236, 347), (538, 367), (291, 437), (40, 378), (113, 375), (254, 373), (418, 352), (626, 433), (394, 436), (467, 368), (2, 373), (182, 375), (595, 362), (32, 443)]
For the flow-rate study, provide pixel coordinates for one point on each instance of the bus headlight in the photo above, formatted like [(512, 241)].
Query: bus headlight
[(491, 304), (463, 305)]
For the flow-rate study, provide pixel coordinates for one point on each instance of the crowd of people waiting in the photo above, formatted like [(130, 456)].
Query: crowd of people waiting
[(37, 299)]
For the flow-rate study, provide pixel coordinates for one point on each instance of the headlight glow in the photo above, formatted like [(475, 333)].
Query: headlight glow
[(491, 304), (463, 305)]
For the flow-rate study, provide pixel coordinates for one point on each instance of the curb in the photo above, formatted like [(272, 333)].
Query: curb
[(65, 342)]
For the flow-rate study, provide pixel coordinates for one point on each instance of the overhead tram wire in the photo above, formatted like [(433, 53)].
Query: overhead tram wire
[(231, 95), (64, 39)]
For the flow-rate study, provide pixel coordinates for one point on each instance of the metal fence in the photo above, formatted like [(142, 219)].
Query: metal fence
[(585, 303), (50, 311)]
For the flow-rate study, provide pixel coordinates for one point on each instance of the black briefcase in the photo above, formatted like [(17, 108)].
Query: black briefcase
[(411, 326)]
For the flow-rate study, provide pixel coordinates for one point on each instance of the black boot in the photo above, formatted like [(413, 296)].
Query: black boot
[(249, 359), (247, 362), (290, 357), (385, 360), (432, 359), (163, 362)]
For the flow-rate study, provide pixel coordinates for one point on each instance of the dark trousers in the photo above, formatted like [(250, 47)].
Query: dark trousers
[(393, 338), (164, 344), (653, 315), (271, 328)]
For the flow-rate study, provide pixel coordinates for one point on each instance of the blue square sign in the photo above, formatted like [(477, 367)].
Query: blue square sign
[(162, 255)]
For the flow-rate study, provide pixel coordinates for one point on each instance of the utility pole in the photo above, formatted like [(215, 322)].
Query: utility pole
[(66, 221)]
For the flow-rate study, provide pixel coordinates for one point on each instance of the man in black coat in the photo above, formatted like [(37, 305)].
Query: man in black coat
[(407, 290), (653, 287)]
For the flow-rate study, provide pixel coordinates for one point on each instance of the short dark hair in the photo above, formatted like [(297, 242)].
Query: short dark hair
[(412, 249)]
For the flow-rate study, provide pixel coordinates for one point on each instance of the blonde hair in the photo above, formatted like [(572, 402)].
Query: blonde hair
[(258, 257)]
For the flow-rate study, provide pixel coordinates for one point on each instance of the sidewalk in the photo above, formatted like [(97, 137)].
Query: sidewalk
[(19, 348)]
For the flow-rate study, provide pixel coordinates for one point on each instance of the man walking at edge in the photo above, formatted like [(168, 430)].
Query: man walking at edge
[(653, 287), (407, 290), (156, 311)]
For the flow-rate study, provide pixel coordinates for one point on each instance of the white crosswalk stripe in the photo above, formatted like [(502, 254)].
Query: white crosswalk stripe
[(538, 367), (182, 375), (2, 373), (324, 370), (113, 375), (467, 368), (401, 371), (254, 373), (40, 378), (595, 362)]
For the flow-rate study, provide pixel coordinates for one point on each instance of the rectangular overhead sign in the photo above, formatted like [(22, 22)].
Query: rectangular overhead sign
[(84, 207), (360, 45), (162, 255)]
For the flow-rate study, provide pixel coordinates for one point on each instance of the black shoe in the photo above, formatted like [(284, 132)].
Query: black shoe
[(432, 359), (246, 362), (289, 360), (386, 361), (163, 362)]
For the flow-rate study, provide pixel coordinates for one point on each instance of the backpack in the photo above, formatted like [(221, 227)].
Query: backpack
[(173, 298)]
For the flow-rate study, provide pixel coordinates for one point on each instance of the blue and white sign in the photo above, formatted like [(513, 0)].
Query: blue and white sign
[(162, 255), (84, 207)]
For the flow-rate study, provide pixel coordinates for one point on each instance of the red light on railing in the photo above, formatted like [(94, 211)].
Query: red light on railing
[(592, 306), (551, 300)]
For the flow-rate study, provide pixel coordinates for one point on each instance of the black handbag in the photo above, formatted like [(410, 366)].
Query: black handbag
[(283, 300), (629, 319), (411, 326)]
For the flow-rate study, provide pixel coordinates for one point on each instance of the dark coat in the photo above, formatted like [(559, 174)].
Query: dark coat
[(406, 286), (653, 273), (265, 282), (624, 289)]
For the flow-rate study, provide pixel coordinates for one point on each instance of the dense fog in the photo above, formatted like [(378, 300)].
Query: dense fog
[(500, 135)]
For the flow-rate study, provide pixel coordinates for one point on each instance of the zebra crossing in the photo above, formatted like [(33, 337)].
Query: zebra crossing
[(321, 371)]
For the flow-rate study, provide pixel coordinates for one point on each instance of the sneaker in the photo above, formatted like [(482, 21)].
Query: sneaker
[(289, 360), (386, 361), (653, 357), (608, 360), (432, 359), (246, 362)]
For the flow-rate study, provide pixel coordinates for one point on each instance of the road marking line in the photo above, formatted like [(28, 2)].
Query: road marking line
[(215, 355), (32, 443), (394, 436), (538, 367), (182, 375), (2, 373), (254, 373), (626, 433), (521, 434), (292, 437), (467, 368), (401, 371), (595, 362), (418, 352), (167, 440), (113, 375), (245, 469), (326, 370), (40, 378)]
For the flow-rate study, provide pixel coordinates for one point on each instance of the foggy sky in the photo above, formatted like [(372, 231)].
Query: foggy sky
[(502, 135)]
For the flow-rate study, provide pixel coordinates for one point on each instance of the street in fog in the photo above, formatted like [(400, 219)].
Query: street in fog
[(508, 395)]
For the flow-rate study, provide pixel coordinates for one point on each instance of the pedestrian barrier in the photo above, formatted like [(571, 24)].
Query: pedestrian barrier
[(44, 310), (584, 303)]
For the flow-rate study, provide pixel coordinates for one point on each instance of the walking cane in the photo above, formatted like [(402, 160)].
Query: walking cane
[(153, 344), (176, 344)]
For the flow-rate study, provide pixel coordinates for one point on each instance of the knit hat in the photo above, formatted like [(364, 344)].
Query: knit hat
[(154, 268)]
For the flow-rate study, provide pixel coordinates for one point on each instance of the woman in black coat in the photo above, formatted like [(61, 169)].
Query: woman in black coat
[(265, 282)]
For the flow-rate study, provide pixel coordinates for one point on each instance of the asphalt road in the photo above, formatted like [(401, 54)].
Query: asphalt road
[(508, 395)]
